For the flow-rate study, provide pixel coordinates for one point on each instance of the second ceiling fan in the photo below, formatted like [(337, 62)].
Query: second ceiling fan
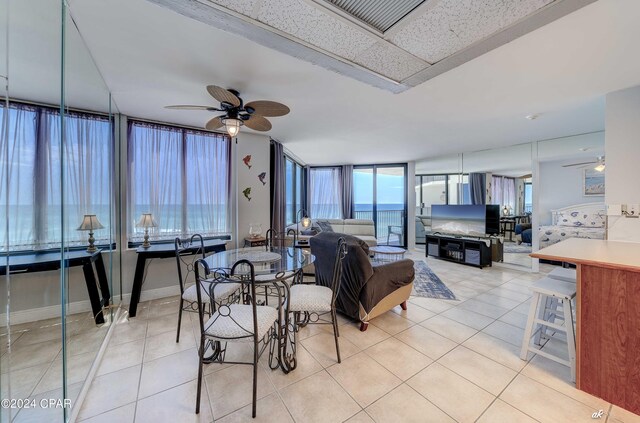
[(236, 114)]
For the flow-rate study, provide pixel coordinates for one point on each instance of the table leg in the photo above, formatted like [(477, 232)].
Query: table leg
[(94, 296), (137, 285), (102, 280)]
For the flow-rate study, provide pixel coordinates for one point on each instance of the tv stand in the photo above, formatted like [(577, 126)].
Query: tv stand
[(473, 252)]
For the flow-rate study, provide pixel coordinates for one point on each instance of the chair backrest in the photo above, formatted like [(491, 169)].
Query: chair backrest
[(341, 252), (207, 280), (184, 252), (356, 268), (280, 239)]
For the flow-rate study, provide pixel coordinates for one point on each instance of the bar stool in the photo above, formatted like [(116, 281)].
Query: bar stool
[(563, 274), (541, 318)]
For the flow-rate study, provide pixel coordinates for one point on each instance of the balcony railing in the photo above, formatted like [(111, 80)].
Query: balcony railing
[(386, 218)]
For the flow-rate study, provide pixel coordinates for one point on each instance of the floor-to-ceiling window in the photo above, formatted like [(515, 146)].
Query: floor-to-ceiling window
[(294, 189), (380, 193)]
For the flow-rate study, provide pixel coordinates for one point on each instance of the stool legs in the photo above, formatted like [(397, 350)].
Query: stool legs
[(530, 325), (571, 336)]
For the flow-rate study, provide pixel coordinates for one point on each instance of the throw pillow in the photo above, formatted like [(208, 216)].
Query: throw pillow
[(309, 232), (325, 226)]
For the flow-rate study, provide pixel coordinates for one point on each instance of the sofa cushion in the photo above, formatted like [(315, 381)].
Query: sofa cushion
[(371, 241), (325, 226), (359, 227)]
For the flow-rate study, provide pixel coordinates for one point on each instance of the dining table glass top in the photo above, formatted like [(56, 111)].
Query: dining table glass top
[(266, 260)]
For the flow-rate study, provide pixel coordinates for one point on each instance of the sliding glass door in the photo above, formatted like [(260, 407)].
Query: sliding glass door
[(380, 193)]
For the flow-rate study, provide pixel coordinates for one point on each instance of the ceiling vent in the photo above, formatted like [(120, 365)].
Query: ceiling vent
[(379, 14)]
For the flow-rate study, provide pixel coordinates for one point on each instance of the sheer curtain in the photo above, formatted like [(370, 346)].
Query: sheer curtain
[(33, 169), (181, 177), (207, 183), (503, 191), (325, 193), (18, 158), (509, 193), (496, 190)]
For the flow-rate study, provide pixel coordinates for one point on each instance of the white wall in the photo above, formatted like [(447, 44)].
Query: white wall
[(257, 210), (622, 148), (560, 187)]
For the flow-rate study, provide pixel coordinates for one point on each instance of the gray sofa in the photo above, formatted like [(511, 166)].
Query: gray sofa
[(361, 228), (423, 227)]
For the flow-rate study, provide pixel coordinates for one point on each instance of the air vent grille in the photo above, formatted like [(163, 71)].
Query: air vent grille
[(380, 14)]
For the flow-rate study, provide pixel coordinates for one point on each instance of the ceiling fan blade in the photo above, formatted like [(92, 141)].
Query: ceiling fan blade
[(214, 123), (222, 95), (258, 123), (191, 107), (578, 164), (268, 108)]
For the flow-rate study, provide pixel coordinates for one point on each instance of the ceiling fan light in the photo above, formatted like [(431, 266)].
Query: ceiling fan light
[(599, 168), (232, 126)]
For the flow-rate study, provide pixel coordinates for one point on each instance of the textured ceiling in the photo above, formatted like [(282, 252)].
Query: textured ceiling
[(377, 41)]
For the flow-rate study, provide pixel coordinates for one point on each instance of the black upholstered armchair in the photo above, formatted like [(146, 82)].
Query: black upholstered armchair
[(366, 291)]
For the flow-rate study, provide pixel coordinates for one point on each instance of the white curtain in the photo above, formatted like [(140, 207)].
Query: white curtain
[(509, 193), (17, 155), (325, 193), (181, 177), (496, 190), (207, 183), (503, 192)]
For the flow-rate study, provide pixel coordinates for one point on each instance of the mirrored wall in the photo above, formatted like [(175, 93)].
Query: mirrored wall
[(529, 183), (60, 262)]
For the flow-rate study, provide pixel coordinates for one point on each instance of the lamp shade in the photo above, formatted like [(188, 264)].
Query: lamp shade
[(232, 126), (305, 222), (89, 223), (146, 221)]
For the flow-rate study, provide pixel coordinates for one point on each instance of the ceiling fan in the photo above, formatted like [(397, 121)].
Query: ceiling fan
[(599, 164), (236, 113)]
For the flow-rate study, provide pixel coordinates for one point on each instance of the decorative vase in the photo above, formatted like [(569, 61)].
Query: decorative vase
[(255, 230)]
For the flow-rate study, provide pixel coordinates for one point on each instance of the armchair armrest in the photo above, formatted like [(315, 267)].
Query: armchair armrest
[(386, 278)]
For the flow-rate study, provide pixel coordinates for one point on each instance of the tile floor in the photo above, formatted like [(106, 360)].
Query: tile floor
[(439, 361), (33, 367)]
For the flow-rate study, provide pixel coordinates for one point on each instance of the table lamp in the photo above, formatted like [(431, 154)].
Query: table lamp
[(146, 221), (89, 223)]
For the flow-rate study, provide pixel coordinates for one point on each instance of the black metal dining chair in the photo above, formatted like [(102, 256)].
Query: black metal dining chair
[(242, 321), (185, 258), (310, 303)]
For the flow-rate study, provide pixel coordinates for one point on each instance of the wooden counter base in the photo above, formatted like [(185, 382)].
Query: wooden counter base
[(608, 345)]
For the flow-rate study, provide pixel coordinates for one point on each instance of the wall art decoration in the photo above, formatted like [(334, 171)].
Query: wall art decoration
[(247, 160), (247, 193), (592, 182), (262, 178)]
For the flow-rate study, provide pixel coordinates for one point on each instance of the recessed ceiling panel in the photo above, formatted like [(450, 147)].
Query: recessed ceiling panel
[(452, 25), (379, 14)]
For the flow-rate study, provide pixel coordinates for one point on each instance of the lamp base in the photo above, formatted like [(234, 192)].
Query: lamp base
[(91, 248), (146, 243)]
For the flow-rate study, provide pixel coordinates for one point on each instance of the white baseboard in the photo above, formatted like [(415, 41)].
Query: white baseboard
[(49, 312)]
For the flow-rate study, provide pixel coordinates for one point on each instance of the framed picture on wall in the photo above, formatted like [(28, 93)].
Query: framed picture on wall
[(592, 182)]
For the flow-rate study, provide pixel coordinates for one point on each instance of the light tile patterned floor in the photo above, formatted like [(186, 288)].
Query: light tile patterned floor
[(439, 361)]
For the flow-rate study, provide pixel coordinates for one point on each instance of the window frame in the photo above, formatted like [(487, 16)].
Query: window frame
[(297, 204)]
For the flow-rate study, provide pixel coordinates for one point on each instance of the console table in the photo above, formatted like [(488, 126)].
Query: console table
[(607, 316), (164, 250), (51, 260)]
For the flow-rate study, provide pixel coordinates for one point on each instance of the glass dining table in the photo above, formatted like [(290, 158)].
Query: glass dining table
[(275, 269)]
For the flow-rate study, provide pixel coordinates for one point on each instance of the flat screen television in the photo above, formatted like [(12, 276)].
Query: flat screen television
[(466, 220)]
